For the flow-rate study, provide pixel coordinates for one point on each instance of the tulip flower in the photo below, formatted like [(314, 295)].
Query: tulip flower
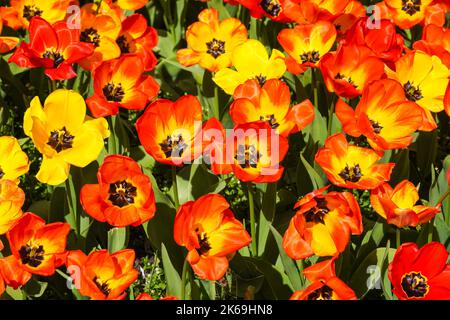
[(50, 10), (171, 132), (211, 42), (350, 166), (54, 47), (322, 225), (101, 275), (63, 134), (39, 248), (211, 234), (270, 103), (13, 161), (350, 69), (306, 44), (121, 83), (424, 79), (420, 274), (383, 115), (251, 61), (398, 205), (12, 199), (324, 284), (123, 196)]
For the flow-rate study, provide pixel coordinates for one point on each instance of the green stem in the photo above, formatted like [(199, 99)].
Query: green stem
[(183, 279), (175, 187), (251, 205), (314, 88), (216, 106), (72, 202), (112, 140), (212, 290), (51, 85), (430, 230), (398, 237), (300, 267), (442, 198), (330, 116)]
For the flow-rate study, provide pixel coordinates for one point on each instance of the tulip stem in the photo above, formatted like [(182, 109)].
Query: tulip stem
[(330, 116), (314, 88), (212, 290), (251, 205), (72, 202), (430, 230), (398, 237), (175, 187), (216, 103), (442, 198), (112, 140), (184, 274)]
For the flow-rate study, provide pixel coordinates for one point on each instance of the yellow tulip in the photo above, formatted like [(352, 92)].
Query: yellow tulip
[(13, 161), (63, 133), (250, 61)]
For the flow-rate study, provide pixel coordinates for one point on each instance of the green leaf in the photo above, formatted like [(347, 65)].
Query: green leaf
[(117, 239), (401, 169), (34, 288), (254, 276), (426, 145), (307, 177), (195, 181), (288, 264), (369, 272), (41, 208), (371, 239), (267, 215), (172, 276)]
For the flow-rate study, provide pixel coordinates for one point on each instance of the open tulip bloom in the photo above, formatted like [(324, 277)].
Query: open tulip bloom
[(225, 150)]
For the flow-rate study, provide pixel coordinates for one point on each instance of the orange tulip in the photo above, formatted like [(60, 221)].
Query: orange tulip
[(54, 47), (384, 42), (253, 152), (322, 225), (6, 43), (51, 11), (408, 13), (353, 12), (37, 247), (350, 69), (425, 79), (127, 4), (100, 28), (211, 42), (171, 132), (324, 284), (138, 38), (350, 166), (307, 44), (123, 196), (12, 272), (101, 275), (11, 202), (121, 83), (398, 205), (270, 103), (383, 115), (435, 42), (211, 234), (10, 17), (276, 10)]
